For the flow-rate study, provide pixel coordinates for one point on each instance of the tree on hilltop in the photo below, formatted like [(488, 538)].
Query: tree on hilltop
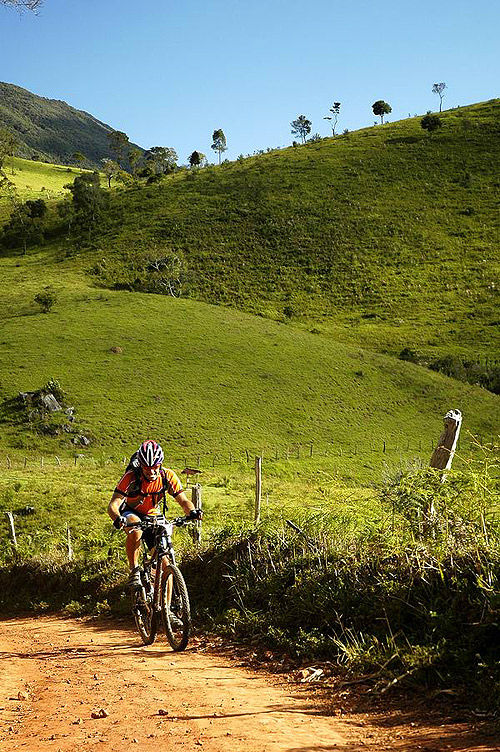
[(134, 157), (439, 89), (219, 142), (118, 144), (335, 110), (162, 159), (301, 126), (381, 108), (196, 159)]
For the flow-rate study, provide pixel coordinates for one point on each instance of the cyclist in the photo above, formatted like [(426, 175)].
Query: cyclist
[(139, 494)]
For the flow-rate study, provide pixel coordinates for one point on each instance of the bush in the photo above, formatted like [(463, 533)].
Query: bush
[(46, 299), (431, 123)]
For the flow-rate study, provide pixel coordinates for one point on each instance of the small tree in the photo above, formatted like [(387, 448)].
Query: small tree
[(219, 142), (196, 159), (46, 299), (110, 169), (381, 108), (88, 200), (335, 110), (118, 144), (301, 126), (439, 89), (134, 158), (26, 224), (431, 123), (8, 146), (162, 159)]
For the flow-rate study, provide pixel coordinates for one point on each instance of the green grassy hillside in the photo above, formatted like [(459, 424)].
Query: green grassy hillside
[(388, 235), (205, 378), (348, 249), (37, 180), (50, 129)]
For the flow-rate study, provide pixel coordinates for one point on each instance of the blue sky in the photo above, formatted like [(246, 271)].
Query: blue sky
[(169, 73)]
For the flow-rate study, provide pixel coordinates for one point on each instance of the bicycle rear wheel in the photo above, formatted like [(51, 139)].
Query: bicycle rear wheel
[(175, 609)]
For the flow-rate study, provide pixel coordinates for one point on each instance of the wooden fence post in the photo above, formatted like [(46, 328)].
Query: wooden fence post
[(442, 456), (13, 538), (68, 541), (196, 499), (258, 489)]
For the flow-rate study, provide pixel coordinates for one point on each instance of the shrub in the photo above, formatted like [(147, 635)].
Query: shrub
[(431, 123), (46, 299)]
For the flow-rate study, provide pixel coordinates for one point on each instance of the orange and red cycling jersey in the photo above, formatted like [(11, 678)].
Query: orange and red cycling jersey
[(146, 495)]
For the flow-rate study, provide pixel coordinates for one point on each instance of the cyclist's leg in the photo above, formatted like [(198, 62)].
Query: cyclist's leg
[(133, 547)]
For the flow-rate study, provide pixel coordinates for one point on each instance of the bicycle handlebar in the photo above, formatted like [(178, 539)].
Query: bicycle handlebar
[(155, 522)]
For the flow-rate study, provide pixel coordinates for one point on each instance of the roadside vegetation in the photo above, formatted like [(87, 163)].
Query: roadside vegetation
[(398, 585)]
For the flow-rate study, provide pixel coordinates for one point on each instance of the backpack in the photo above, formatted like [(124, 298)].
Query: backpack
[(135, 465)]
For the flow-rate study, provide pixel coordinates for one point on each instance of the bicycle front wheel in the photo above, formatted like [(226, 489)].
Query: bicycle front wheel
[(175, 609), (145, 616)]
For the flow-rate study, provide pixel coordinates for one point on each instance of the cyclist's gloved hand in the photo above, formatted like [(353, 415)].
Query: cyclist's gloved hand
[(119, 522), (196, 514)]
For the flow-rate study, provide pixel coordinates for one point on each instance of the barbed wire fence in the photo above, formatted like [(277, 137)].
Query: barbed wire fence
[(246, 456)]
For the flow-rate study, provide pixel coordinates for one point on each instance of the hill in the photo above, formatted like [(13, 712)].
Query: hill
[(206, 379), (348, 249), (389, 234), (51, 130)]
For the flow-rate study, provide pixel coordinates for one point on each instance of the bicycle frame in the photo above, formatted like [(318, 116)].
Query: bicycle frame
[(163, 548)]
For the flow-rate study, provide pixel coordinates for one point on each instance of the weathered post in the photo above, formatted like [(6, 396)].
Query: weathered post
[(68, 542), (196, 499), (258, 488), (442, 456), (13, 538)]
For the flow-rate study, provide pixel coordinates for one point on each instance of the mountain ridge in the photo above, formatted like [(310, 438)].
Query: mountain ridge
[(51, 130)]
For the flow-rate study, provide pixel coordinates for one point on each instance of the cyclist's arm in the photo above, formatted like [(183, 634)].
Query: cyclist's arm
[(114, 505), (186, 504)]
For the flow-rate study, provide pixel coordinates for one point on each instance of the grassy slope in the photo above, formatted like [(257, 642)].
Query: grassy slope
[(312, 226), (52, 129), (205, 377), (37, 180), (388, 231)]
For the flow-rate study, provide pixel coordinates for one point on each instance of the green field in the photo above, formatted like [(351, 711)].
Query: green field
[(39, 180)]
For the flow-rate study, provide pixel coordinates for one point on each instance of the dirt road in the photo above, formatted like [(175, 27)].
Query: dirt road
[(57, 675)]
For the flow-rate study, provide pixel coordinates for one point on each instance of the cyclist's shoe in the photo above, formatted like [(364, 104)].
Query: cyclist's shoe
[(175, 622), (134, 580)]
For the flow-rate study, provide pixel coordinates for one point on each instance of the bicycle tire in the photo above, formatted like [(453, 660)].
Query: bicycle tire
[(145, 616), (179, 608)]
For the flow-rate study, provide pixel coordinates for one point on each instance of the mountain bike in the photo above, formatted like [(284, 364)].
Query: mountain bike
[(163, 597)]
